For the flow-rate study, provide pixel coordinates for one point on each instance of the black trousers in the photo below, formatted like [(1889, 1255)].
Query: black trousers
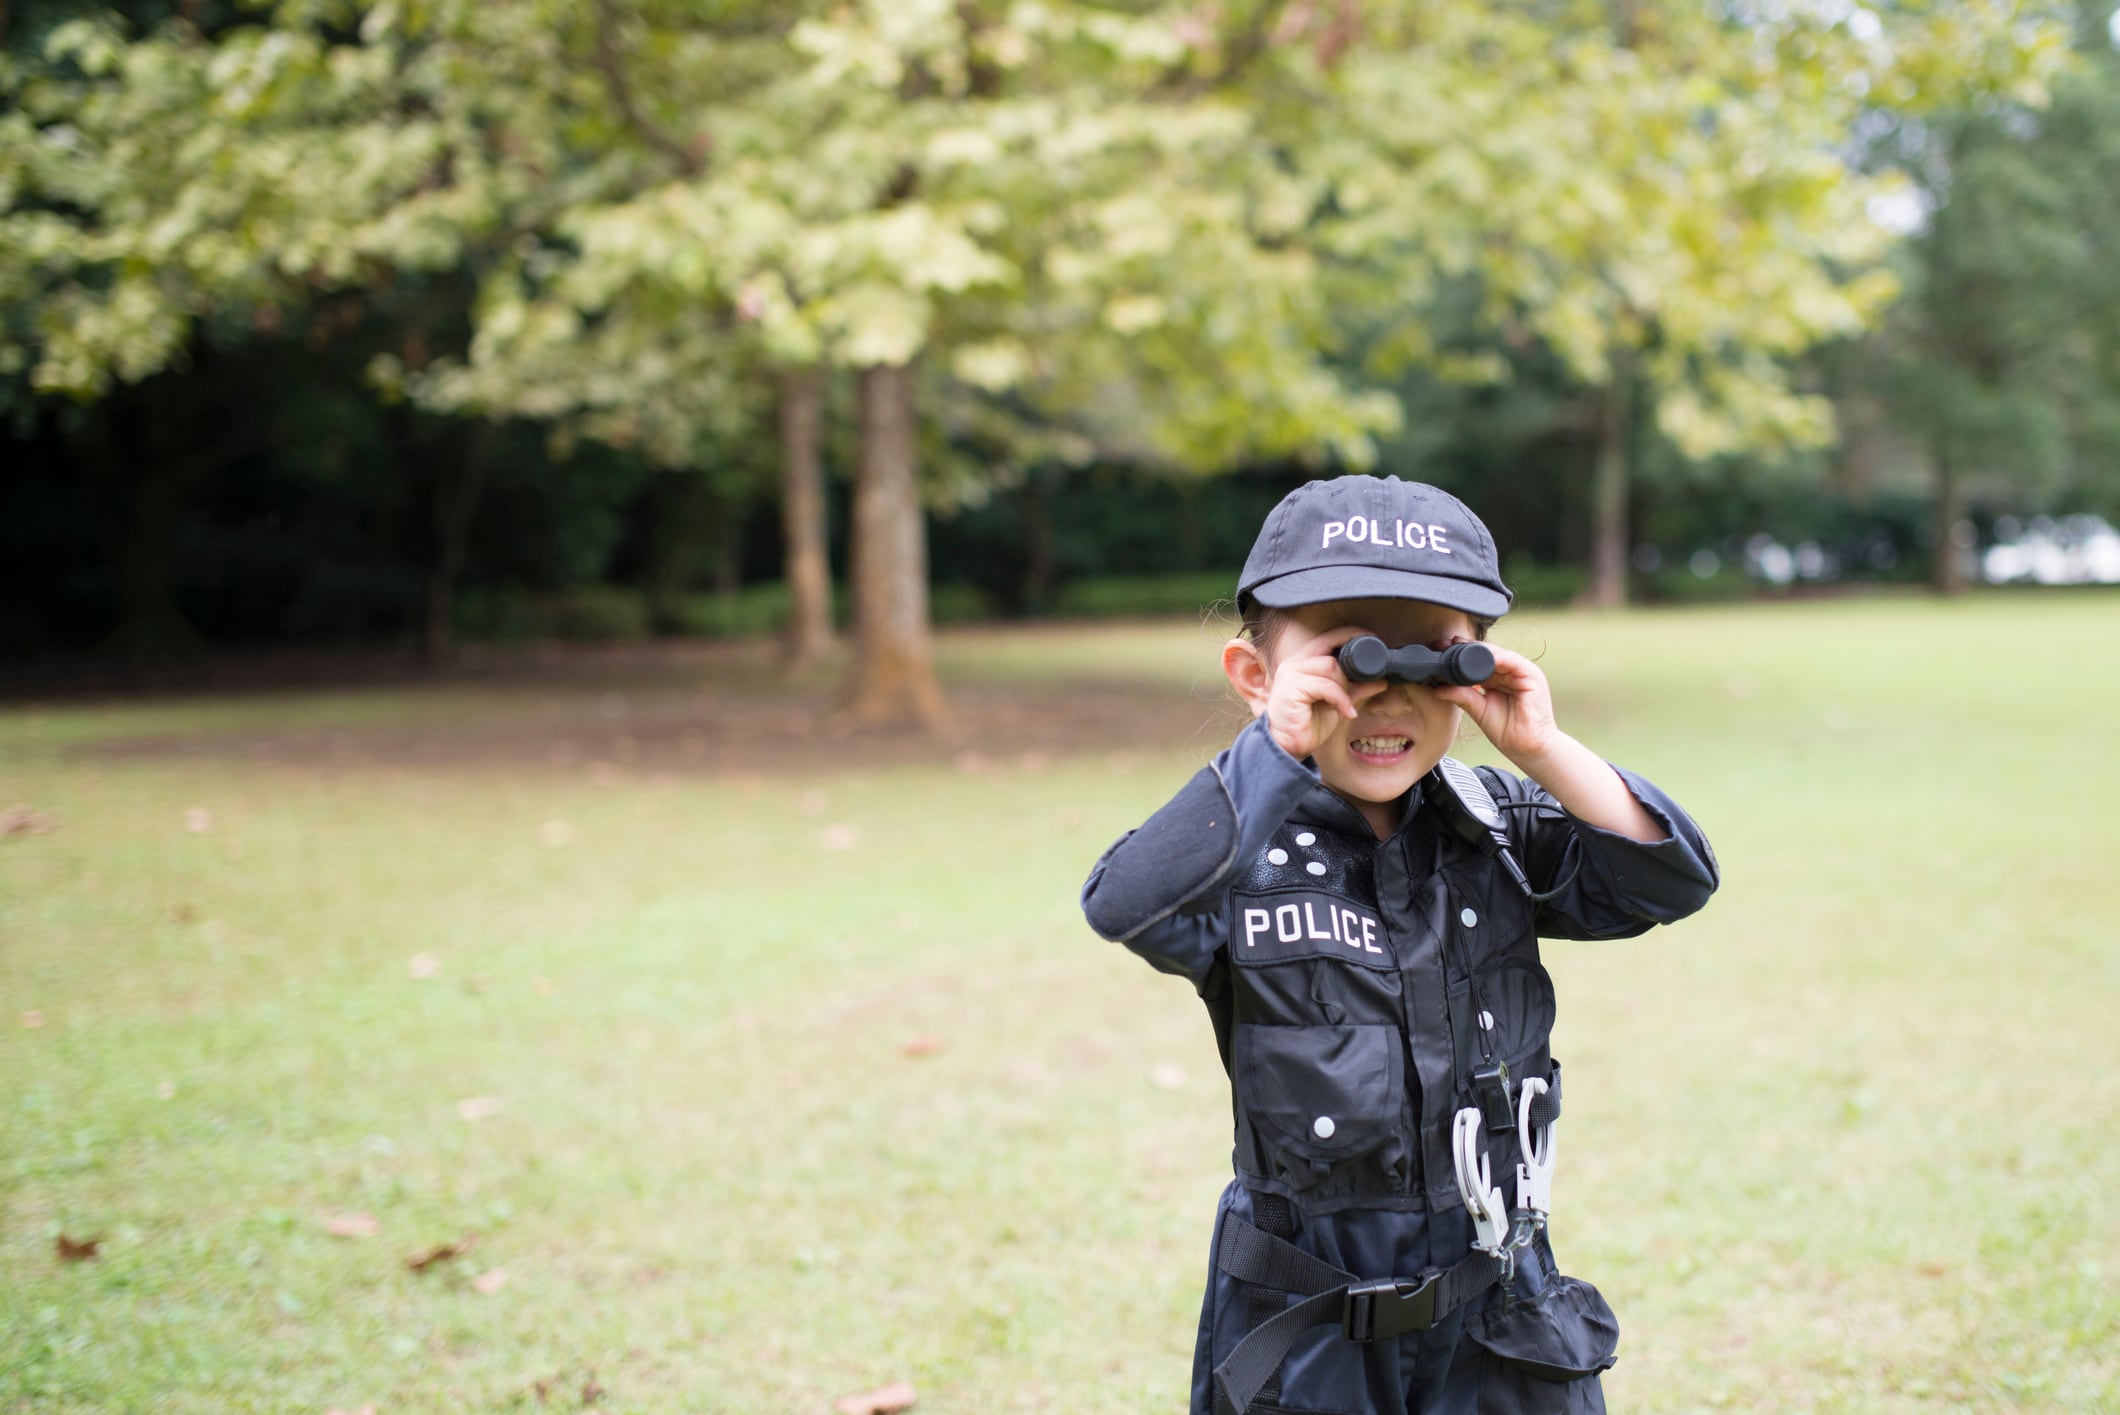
[(1421, 1373)]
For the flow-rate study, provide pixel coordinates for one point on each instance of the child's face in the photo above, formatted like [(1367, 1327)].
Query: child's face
[(1399, 734)]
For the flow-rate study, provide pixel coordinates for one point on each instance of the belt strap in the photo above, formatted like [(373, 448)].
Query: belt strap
[(1365, 1309), (1276, 1215)]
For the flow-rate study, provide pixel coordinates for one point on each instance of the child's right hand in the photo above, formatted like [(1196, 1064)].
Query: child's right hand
[(1311, 698)]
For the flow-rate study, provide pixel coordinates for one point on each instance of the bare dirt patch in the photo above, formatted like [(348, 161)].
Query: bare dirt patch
[(712, 708)]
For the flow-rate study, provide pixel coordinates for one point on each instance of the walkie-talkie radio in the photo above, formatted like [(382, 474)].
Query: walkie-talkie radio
[(1466, 807), (1463, 803)]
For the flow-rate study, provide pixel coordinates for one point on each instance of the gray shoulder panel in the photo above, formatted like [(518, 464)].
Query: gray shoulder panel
[(1177, 854)]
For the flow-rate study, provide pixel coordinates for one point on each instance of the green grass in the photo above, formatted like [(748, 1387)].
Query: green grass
[(1843, 1142)]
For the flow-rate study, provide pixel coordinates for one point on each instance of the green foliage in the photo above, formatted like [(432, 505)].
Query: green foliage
[(1541, 584), (2001, 362), (1676, 584), (1116, 231), (149, 181), (1165, 235), (756, 611), (1128, 595), (1663, 183), (597, 613)]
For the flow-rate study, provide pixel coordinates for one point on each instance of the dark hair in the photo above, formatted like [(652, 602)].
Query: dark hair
[(1263, 623)]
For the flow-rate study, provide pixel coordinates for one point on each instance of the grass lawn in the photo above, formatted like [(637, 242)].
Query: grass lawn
[(754, 1084)]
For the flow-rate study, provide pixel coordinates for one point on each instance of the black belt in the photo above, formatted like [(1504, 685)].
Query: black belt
[(1366, 1309)]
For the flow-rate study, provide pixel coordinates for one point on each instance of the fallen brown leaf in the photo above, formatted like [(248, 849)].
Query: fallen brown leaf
[(21, 820), (353, 1225), (921, 1046), (886, 1400), (441, 1253), (560, 1387), (77, 1250), (490, 1281)]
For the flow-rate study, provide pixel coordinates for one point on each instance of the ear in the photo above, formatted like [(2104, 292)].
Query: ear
[(1245, 667)]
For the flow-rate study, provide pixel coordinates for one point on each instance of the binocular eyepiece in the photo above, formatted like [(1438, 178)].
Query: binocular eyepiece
[(1366, 659)]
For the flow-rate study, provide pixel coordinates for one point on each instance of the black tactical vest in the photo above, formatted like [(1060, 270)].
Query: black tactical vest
[(1367, 982)]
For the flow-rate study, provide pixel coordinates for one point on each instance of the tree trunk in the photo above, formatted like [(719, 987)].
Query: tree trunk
[(685, 514), (456, 496), (151, 624), (728, 547), (892, 679), (1607, 587), (1947, 575), (1037, 544), (144, 486), (809, 566)]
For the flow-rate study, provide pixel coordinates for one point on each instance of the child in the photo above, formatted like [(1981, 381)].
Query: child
[(1367, 948)]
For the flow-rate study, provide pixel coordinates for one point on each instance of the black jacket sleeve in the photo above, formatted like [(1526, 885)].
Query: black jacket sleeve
[(1615, 887), (1159, 889)]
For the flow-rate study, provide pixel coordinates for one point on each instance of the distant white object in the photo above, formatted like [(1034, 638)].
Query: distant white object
[(1769, 559), (2065, 550), (1902, 210)]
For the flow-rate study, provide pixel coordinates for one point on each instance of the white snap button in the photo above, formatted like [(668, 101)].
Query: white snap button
[(1467, 918), (1277, 856), (1316, 867), (1487, 1021), (1306, 838), (1323, 1127)]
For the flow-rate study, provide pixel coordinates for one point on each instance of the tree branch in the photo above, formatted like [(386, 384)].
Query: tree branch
[(608, 64), (1259, 33)]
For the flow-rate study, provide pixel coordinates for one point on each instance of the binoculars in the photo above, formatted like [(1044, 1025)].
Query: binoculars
[(1366, 659)]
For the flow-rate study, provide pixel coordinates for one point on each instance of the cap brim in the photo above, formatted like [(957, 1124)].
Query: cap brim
[(1371, 582)]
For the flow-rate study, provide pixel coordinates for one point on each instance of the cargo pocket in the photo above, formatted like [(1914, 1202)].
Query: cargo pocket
[(1521, 994), (1319, 1097), (1543, 1356)]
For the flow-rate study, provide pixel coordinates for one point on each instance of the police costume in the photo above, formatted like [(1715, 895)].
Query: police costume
[(1363, 992)]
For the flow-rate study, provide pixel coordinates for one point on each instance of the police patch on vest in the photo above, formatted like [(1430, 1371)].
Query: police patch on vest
[(1273, 928)]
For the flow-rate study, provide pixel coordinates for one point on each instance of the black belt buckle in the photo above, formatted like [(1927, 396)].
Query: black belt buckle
[(1390, 1307)]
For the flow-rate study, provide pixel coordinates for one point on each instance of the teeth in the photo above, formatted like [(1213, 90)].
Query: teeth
[(1381, 746)]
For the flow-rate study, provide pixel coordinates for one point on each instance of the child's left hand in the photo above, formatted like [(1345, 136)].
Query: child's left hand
[(1513, 708)]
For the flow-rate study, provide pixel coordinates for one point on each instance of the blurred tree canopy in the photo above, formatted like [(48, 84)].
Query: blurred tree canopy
[(2003, 361), (1544, 248)]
